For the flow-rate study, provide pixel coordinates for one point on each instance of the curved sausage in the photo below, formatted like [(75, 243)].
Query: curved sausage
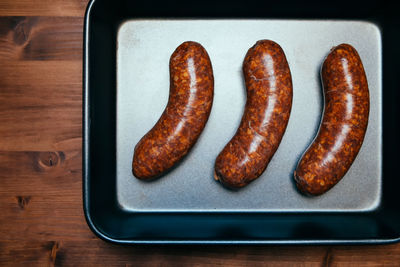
[(343, 126), (184, 118), (269, 101)]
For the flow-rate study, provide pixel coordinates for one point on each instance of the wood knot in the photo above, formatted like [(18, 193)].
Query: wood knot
[(53, 253), (47, 160), (21, 32), (23, 201)]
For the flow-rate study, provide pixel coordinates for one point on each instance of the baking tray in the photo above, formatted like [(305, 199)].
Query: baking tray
[(126, 82)]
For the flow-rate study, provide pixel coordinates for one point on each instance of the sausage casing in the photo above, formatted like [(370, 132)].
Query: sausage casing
[(343, 125), (269, 101), (185, 116)]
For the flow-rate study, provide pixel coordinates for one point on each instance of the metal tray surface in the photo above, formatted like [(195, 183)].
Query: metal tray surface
[(127, 45), (142, 94)]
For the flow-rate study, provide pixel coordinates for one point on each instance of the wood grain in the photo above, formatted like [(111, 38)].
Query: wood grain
[(42, 110), (41, 38), (41, 196), (97, 252), (41, 218), (43, 7)]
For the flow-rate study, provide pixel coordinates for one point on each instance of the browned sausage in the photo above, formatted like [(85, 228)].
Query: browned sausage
[(343, 126), (269, 101), (184, 118)]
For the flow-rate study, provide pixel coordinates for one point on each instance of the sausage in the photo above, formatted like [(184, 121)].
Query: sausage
[(185, 116), (267, 110), (343, 125)]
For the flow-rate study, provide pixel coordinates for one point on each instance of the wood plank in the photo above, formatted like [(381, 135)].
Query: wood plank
[(100, 253), (27, 254), (97, 252), (381, 255), (51, 172), (41, 38), (43, 8), (43, 218), (42, 111), (41, 196)]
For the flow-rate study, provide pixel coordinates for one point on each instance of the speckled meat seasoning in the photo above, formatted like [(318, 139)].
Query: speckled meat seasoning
[(184, 118), (269, 101), (343, 125)]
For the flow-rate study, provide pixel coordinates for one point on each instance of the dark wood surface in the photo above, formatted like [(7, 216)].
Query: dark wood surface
[(41, 216)]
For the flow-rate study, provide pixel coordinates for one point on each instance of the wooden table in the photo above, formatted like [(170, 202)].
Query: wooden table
[(41, 215)]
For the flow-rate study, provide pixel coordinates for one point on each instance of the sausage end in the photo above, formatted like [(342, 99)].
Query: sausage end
[(304, 187), (228, 182)]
